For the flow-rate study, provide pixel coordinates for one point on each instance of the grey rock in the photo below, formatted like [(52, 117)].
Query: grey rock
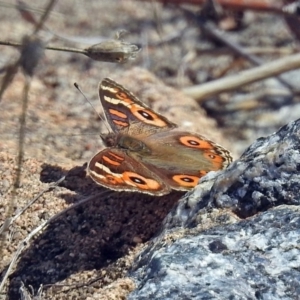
[(237, 236)]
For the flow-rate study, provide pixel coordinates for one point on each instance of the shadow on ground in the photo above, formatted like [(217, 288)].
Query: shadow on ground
[(91, 236)]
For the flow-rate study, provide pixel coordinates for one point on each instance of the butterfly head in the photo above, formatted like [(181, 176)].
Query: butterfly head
[(109, 139)]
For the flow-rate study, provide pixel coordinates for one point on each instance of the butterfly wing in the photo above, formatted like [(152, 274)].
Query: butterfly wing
[(145, 154), (114, 169), (122, 109), (182, 158)]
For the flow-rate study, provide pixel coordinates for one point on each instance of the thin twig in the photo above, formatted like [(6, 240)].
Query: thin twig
[(113, 50), (7, 223), (65, 49), (250, 50), (21, 246), (45, 15), (22, 131), (34, 9)]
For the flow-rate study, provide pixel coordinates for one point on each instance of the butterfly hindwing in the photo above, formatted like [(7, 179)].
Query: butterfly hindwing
[(114, 169), (182, 158)]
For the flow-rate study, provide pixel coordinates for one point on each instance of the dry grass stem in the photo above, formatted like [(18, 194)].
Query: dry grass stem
[(229, 83)]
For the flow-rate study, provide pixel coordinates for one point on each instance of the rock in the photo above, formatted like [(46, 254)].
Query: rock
[(237, 235)]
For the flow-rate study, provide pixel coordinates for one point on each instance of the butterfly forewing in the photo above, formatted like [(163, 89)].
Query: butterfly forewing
[(122, 109)]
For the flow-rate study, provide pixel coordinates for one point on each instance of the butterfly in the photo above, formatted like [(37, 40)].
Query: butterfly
[(144, 151)]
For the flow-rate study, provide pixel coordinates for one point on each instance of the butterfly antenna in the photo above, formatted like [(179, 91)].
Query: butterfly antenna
[(101, 118)]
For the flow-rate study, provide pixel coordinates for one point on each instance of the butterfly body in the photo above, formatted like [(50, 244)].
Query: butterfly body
[(145, 153)]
